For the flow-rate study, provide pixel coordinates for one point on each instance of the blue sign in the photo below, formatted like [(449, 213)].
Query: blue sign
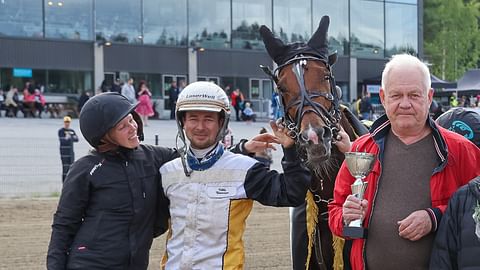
[(22, 72)]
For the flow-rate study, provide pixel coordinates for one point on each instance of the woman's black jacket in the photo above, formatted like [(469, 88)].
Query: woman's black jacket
[(110, 209)]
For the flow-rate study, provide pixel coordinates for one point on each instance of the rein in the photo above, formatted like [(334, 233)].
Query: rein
[(330, 117)]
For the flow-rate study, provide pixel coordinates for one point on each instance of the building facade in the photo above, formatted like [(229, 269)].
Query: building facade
[(61, 44)]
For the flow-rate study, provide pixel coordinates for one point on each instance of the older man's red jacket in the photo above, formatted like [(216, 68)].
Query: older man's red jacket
[(460, 162)]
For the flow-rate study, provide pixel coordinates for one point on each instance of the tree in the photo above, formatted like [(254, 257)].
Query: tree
[(451, 37)]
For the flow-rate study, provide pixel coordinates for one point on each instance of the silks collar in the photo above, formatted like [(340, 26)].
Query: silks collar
[(206, 162)]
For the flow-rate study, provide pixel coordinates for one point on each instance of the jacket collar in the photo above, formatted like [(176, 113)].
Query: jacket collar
[(474, 186), (381, 127)]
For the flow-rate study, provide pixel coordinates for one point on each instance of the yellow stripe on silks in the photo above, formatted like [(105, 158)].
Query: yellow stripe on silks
[(234, 256), (311, 220), (338, 244), (163, 263)]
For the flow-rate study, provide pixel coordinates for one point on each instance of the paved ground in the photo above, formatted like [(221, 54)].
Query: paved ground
[(30, 181)]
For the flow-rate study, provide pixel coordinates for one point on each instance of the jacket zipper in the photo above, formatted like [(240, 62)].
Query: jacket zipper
[(370, 217), (144, 195)]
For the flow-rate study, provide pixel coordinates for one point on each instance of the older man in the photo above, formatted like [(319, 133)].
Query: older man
[(418, 167)]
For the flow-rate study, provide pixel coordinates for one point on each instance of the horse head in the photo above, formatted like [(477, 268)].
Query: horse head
[(308, 92)]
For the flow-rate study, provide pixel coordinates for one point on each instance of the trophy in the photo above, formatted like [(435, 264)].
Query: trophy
[(359, 164)]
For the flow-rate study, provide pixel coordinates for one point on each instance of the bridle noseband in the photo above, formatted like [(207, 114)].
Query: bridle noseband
[(330, 117)]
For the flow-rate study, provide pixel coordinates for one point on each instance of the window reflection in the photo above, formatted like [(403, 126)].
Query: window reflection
[(118, 21), (21, 18), (248, 15), (292, 20), (401, 28), (165, 22), (69, 20), (209, 24), (367, 30), (338, 30)]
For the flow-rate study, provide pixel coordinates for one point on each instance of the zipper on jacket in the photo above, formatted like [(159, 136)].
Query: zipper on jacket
[(144, 195), (364, 251)]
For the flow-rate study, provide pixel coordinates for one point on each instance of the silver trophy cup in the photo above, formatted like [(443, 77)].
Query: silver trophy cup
[(359, 165)]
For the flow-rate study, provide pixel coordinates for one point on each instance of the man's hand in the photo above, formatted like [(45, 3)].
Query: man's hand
[(261, 142), (415, 226), (281, 133), (354, 208), (342, 141)]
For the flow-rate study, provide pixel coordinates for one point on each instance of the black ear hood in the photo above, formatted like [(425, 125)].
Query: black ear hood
[(102, 112), (281, 53)]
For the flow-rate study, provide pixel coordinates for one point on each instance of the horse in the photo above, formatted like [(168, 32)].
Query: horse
[(313, 116)]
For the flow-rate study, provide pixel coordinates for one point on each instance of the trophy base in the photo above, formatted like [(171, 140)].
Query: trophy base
[(355, 232)]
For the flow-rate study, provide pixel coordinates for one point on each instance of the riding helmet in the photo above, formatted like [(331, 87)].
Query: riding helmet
[(102, 112)]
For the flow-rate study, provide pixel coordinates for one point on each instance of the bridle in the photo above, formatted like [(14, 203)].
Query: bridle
[(330, 117)]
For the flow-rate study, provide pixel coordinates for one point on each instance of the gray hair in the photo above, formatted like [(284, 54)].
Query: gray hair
[(410, 61)]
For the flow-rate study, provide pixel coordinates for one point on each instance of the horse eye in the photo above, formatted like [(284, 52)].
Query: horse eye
[(326, 78)]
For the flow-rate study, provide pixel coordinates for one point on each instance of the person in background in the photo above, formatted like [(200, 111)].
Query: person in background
[(116, 87), (277, 110), (173, 96), (462, 121), (12, 102), (82, 100), (418, 166), (145, 107), (458, 237), (237, 102), (129, 91), (67, 137), (366, 108), (248, 114), (206, 229), (39, 102), (457, 242)]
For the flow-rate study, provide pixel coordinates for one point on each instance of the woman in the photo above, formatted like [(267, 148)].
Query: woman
[(110, 208), (144, 108)]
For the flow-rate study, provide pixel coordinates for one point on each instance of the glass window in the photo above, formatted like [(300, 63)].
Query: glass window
[(68, 82), (209, 23), (367, 30), (402, 1), (21, 18), (69, 20), (401, 28), (247, 16), (118, 21), (292, 20), (338, 29), (165, 22)]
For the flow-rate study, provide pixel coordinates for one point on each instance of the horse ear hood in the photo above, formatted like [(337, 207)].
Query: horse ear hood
[(319, 40), (275, 47), (316, 46)]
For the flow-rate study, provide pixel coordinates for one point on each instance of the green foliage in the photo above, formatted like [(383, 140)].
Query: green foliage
[(451, 36)]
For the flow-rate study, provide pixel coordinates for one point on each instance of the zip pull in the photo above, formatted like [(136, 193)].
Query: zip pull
[(126, 163), (144, 196)]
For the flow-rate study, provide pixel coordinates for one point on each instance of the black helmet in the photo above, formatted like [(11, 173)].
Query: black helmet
[(102, 112), (462, 121)]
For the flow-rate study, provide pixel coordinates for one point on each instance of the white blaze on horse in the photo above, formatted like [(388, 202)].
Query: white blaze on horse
[(314, 116)]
